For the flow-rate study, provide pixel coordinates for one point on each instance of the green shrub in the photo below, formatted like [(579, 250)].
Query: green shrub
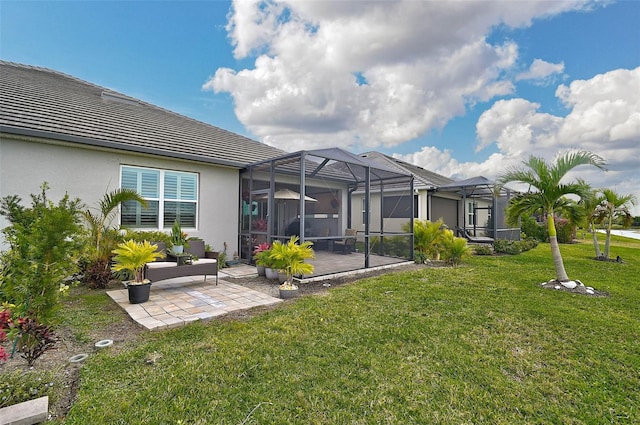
[(514, 247), (533, 229), (428, 237), (419, 257), (565, 230), (103, 236), (148, 235), (396, 246), (482, 250), (44, 245), (507, 247), (222, 260), (540, 231), (528, 244), (454, 249)]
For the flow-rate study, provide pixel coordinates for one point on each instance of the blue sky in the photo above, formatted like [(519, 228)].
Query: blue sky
[(461, 88)]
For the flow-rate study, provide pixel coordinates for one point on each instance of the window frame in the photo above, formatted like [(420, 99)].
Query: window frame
[(161, 199)]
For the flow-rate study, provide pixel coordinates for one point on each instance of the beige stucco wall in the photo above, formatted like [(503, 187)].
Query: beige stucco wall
[(357, 222), (89, 173)]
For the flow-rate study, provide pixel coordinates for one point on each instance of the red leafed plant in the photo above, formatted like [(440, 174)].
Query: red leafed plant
[(33, 338), (5, 319), (264, 246)]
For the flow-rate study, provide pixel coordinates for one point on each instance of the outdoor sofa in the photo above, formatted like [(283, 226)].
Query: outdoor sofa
[(169, 268)]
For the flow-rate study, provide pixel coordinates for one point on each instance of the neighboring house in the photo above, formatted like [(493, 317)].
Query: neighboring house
[(467, 204), (86, 140)]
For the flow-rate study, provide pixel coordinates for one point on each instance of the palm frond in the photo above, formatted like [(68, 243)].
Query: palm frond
[(572, 159)]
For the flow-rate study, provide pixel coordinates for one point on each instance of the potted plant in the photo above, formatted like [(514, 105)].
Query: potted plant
[(178, 238), (132, 257), (261, 254), (290, 258)]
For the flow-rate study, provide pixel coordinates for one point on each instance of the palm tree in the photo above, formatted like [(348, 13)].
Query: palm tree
[(428, 236), (100, 222), (613, 207), (550, 194), (103, 237), (589, 205)]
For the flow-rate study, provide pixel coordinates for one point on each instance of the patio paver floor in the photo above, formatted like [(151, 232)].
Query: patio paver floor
[(176, 302)]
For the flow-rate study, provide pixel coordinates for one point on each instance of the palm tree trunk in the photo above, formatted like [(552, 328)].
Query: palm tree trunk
[(561, 274), (607, 241), (595, 241)]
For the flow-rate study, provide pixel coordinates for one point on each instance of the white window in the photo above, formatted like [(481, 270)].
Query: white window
[(170, 195), (471, 213)]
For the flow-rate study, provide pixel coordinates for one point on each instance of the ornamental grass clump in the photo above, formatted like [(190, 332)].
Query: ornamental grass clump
[(428, 237), (132, 256), (290, 258)]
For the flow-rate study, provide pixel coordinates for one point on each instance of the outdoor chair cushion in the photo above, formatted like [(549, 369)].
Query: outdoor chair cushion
[(346, 245)]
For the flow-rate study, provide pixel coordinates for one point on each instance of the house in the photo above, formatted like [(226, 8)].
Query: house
[(224, 188), (88, 140), (469, 204)]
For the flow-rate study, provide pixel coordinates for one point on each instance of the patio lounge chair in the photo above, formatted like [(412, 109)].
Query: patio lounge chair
[(167, 269), (346, 245), (473, 239)]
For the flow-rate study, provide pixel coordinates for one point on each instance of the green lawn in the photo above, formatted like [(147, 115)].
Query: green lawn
[(480, 343)]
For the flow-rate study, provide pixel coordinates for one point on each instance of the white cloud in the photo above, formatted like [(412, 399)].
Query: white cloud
[(541, 72), (361, 75), (423, 64), (604, 118)]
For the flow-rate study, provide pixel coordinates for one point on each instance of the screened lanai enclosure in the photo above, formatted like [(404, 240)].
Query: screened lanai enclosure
[(309, 194), (483, 208)]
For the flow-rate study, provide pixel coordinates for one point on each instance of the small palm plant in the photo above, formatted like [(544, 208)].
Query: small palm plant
[(428, 236), (455, 249), (132, 256), (290, 257)]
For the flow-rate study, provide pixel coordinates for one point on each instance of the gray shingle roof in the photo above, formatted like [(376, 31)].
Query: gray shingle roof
[(44, 103), (423, 178)]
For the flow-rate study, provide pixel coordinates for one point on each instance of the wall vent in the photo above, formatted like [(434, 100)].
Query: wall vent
[(117, 97)]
